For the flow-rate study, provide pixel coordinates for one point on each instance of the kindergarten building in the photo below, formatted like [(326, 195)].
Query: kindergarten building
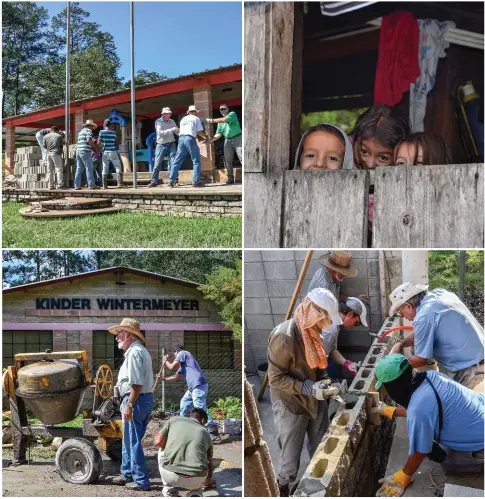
[(74, 312)]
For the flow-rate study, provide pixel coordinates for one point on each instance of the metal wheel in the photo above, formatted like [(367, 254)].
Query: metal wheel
[(79, 461), (104, 381), (114, 449)]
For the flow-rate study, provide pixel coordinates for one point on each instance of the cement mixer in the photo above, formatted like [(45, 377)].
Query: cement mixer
[(52, 386)]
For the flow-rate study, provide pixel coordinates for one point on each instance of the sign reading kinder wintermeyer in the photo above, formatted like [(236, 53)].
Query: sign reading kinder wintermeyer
[(116, 304)]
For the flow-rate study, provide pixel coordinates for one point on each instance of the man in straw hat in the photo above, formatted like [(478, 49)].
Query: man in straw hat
[(191, 127), (166, 130), (135, 382), (85, 143), (444, 421), (296, 364), (443, 329)]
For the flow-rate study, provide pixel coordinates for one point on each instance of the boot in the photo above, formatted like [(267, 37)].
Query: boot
[(119, 179), (105, 181)]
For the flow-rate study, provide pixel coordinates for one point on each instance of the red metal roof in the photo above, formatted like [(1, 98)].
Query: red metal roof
[(183, 83), (114, 270)]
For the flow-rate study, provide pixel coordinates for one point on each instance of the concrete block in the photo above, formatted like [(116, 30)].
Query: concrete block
[(312, 268), (374, 287), (260, 322), (373, 269), (350, 419), (258, 337), (277, 255), (252, 256), (452, 490), (260, 354), (281, 289), (301, 255), (363, 381), (255, 306), (255, 289), (375, 354), (354, 287), (375, 305), (280, 270), (253, 271), (361, 264), (280, 305)]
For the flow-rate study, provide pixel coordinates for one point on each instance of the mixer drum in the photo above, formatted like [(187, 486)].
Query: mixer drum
[(53, 391)]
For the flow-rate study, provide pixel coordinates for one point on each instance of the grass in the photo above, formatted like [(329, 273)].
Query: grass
[(119, 230)]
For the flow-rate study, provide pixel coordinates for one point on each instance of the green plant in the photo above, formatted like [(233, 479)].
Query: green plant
[(228, 407)]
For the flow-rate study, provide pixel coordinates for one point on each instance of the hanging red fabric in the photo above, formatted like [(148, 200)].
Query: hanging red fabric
[(398, 63)]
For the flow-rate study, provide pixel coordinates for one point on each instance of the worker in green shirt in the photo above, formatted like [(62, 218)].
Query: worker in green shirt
[(228, 126)]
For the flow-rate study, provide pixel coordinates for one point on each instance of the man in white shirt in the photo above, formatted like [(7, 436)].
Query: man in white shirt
[(190, 127)]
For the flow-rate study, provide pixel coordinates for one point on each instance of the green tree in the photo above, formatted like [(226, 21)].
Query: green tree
[(23, 45), (143, 77), (224, 288)]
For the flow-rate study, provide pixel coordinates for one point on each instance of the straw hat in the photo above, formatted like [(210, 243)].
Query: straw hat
[(340, 261), (402, 294), (90, 123), (129, 325)]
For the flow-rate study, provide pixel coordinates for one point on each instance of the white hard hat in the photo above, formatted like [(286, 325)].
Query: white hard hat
[(358, 307), (325, 299), (403, 293)]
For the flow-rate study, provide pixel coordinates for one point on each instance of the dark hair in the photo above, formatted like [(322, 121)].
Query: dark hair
[(342, 307), (435, 151), (322, 127), (381, 123), (415, 300), (55, 128), (200, 414), (178, 347)]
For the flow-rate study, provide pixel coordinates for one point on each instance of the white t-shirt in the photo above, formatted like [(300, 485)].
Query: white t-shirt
[(190, 125)]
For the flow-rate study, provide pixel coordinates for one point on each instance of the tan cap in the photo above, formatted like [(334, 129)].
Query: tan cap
[(192, 108), (166, 110)]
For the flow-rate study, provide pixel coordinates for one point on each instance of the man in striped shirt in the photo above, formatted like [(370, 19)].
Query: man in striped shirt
[(107, 136), (166, 130), (85, 143)]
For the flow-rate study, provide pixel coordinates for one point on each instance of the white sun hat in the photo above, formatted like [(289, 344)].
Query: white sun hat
[(403, 293), (325, 299)]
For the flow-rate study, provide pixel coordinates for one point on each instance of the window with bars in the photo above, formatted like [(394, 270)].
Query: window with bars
[(211, 349), (106, 351), (24, 342)]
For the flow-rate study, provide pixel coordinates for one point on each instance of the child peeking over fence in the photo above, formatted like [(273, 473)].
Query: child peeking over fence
[(376, 133), (324, 147), (421, 149)]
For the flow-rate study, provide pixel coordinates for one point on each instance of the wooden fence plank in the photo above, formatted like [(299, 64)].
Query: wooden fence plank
[(262, 210), (429, 207), (255, 87), (325, 209)]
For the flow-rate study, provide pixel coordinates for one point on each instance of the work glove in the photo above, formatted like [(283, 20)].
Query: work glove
[(394, 485), (320, 390), (384, 410), (209, 120), (352, 367)]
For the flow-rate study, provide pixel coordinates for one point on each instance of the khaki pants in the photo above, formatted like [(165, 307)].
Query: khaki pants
[(54, 167), (231, 147), (463, 461), (172, 483), (291, 429), (469, 377)]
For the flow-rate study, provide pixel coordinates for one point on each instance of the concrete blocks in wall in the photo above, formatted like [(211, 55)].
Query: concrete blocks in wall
[(363, 380), (374, 355), (350, 419)]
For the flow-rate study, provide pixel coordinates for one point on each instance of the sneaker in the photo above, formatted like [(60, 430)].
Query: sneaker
[(77, 188), (138, 488), (198, 184), (151, 184), (121, 480), (171, 184), (229, 181)]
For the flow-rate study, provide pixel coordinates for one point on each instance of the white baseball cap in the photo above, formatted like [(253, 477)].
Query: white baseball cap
[(192, 108), (325, 299), (166, 110), (402, 294), (358, 307)]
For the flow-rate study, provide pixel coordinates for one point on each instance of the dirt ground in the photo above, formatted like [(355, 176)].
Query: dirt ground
[(40, 478)]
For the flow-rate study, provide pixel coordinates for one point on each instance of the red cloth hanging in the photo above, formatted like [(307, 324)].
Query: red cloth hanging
[(397, 64)]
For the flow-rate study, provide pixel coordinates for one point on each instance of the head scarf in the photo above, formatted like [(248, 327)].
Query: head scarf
[(308, 318)]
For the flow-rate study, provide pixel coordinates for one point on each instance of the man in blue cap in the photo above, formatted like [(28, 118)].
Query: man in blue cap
[(430, 400)]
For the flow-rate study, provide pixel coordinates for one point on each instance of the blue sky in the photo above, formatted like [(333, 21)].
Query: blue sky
[(173, 38)]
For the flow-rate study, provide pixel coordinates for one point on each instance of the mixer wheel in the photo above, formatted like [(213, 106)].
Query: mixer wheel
[(79, 461), (114, 449)]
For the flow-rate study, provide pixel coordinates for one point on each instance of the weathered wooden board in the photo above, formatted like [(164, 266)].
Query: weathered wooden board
[(325, 209), (429, 207), (262, 210), (256, 56)]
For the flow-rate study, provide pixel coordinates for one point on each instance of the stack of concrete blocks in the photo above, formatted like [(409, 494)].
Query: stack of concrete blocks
[(257, 460), (269, 281), (353, 454)]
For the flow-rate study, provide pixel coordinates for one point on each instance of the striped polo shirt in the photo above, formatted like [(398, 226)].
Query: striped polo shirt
[(82, 140), (108, 139), (323, 279)]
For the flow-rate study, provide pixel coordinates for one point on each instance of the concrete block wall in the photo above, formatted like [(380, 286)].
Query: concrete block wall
[(269, 280)]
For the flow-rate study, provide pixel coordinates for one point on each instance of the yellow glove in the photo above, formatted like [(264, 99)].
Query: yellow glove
[(384, 410), (394, 485)]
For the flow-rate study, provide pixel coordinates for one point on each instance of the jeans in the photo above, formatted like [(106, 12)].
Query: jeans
[(161, 151), (84, 161), (114, 158), (472, 110), (195, 398), (40, 141), (187, 145), (97, 169), (133, 463), (54, 167), (291, 429), (231, 146)]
